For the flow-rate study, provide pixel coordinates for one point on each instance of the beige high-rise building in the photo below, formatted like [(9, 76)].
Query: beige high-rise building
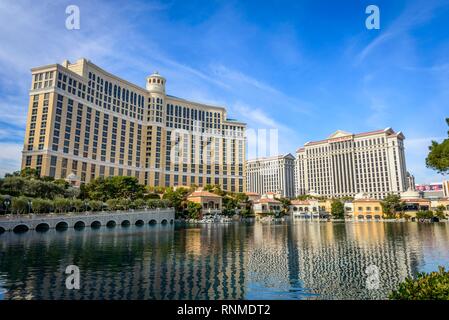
[(346, 164), (86, 121), (271, 174), (446, 188)]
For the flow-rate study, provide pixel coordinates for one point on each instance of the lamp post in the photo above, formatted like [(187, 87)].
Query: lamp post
[(7, 203)]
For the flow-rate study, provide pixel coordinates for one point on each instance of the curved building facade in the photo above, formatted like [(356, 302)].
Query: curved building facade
[(86, 121)]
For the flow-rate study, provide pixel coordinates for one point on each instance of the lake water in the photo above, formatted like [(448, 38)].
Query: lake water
[(292, 260)]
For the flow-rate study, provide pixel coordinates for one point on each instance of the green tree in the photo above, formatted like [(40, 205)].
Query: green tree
[(44, 189), (20, 205), (439, 212), (113, 204), (303, 197), (61, 205), (84, 194), (139, 204), (152, 203), (72, 192), (114, 188), (426, 286), (392, 206), (309, 196), (41, 205), (125, 204), (95, 205), (286, 203), (214, 188), (438, 157), (78, 205), (62, 183), (13, 185), (16, 185), (177, 198), (47, 179), (156, 189), (244, 203), (229, 204), (241, 197), (164, 203), (193, 210), (208, 187), (247, 212), (337, 209), (424, 214), (29, 173), (152, 196)]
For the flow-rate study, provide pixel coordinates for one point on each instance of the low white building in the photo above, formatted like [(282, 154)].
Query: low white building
[(267, 206), (310, 208)]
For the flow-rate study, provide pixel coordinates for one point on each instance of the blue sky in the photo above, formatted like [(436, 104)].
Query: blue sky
[(306, 68)]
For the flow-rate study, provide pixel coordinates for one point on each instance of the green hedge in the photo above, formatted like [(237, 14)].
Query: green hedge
[(25, 205), (426, 286), (125, 204)]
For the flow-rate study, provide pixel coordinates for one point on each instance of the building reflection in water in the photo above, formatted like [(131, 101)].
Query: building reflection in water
[(298, 260), (310, 260)]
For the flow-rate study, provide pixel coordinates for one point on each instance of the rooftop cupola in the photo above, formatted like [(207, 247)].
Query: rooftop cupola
[(156, 83)]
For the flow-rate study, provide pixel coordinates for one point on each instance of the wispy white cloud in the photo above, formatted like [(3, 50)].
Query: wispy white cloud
[(254, 88), (13, 109), (8, 134), (10, 157), (432, 69), (258, 118), (415, 14), (280, 138), (238, 77), (417, 150), (373, 45)]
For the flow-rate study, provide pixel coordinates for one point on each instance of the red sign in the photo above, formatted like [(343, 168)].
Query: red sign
[(341, 139), (429, 187)]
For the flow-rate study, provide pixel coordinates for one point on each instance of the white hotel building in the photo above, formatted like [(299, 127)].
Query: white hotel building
[(271, 174), (345, 164)]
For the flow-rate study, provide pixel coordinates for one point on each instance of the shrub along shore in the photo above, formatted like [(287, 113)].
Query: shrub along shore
[(25, 192)]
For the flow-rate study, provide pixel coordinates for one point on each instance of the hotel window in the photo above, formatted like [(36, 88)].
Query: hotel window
[(167, 180), (39, 160), (74, 166), (92, 171)]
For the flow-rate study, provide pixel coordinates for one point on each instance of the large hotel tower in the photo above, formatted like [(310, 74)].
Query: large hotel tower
[(346, 164), (271, 174), (86, 121)]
